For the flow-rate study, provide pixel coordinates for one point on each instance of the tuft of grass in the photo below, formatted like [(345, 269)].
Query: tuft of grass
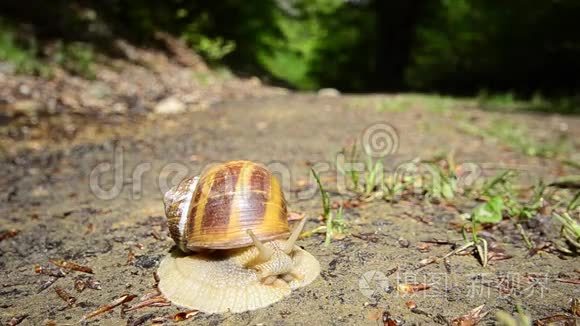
[(323, 195), (520, 319), (570, 229), (480, 245), (499, 101), (500, 201), (353, 175), (489, 212), (525, 237), (530, 208), (574, 203), (396, 104), (443, 184), (373, 177), (509, 102), (518, 138), (501, 186), (393, 186), (334, 224), (403, 102), (432, 102), (437, 183)]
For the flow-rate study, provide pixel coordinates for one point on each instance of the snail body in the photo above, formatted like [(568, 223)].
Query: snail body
[(236, 252)]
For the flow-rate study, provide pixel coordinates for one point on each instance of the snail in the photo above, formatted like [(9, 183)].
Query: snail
[(235, 249)]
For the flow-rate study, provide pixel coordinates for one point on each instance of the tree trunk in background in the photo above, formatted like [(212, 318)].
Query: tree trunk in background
[(396, 20)]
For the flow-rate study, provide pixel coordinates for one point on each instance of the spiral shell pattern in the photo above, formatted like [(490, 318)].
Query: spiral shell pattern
[(216, 210)]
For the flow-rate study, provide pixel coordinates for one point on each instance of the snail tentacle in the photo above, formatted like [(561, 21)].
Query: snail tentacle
[(265, 253), (294, 236)]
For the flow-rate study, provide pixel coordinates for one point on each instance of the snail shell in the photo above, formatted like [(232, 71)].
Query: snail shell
[(214, 210), (238, 209)]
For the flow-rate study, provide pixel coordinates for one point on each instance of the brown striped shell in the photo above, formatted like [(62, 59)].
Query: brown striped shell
[(215, 210)]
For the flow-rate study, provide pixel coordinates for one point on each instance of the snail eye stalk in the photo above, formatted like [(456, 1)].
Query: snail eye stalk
[(294, 236), (265, 252)]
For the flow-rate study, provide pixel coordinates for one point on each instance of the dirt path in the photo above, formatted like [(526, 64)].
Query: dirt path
[(48, 198)]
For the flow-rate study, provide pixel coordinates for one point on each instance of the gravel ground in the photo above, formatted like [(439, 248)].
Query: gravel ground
[(64, 201)]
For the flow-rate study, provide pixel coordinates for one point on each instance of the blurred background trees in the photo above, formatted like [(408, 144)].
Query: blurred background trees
[(463, 47)]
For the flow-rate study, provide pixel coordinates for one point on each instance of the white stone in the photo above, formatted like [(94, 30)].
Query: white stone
[(169, 105), (328, 92)]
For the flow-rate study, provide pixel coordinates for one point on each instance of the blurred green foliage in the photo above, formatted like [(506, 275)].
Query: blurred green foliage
[(76, 57), (318, 43), (20, 54), (519, 47)]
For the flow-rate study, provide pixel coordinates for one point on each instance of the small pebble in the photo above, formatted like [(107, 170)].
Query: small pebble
[(146, 261)]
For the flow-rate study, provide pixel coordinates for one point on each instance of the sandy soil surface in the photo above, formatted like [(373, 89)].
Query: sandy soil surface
[(56, 200)]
